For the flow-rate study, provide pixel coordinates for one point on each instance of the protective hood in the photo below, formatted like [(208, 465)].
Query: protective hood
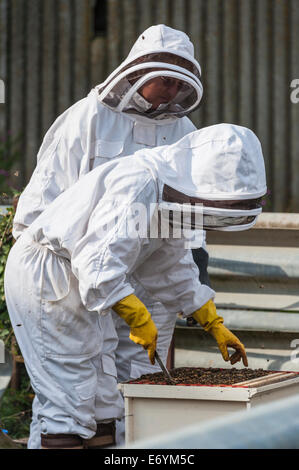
[(217, 172), (159, 52)]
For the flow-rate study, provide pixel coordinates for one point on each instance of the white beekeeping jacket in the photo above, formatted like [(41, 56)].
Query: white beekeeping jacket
[(114, 120), (88, 226)]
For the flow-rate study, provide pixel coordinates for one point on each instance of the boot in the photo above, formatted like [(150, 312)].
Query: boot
[(104, 437), (61, 441)]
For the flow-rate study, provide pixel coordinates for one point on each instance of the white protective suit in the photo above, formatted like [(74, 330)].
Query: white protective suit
[(103, 126), (114, 121), (78, 259)]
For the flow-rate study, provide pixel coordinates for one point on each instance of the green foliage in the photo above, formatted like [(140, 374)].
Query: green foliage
[(15, 407), (6, 241), (9, 156)]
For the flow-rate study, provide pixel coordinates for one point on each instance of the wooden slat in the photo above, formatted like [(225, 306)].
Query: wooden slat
[(145, 14), (179, 15), (230, 63), (196, 30), (161, 12), (66, 65), (294, 108), (269, 379), (214, 88), (49, 72), (17, 84), (280, 104), (17, 81), (98, 60), (4, 37), (130, 20), (2, 91), (98, 52), (256, 380), (263, 87), (33, 98), (81, 54), (114, 29), (247, 15), (255, 237)]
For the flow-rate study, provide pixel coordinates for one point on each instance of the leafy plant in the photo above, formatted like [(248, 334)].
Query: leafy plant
[(15, 406), (9, 156), (6, 241)]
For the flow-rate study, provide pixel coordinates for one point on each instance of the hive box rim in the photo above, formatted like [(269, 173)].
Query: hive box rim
[(201, 392)]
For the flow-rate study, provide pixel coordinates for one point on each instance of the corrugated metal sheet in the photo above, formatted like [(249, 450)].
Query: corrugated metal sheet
[(248, 50), (45, 50)]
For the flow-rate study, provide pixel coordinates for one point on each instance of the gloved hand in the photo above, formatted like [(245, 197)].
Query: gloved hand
[(207, 317), (143, 329)]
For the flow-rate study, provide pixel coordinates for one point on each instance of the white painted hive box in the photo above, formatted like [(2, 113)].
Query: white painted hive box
[(152, 410)]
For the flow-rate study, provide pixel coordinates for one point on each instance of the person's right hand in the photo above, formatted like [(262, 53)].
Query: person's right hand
[(143, 329), (146, 335)]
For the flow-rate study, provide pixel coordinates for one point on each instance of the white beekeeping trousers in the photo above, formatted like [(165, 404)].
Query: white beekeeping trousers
[(72, 375)]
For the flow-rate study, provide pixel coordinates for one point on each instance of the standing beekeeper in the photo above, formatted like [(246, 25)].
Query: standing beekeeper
[(84, 253), (142, 104)]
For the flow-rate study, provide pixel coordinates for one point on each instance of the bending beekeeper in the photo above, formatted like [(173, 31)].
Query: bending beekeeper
[(81, 257), (144, 103)]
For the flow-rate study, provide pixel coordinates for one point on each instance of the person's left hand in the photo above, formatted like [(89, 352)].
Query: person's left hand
[(225, 338)]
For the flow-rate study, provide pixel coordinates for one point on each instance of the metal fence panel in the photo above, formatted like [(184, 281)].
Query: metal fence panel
[(294, 118), (248, 50)]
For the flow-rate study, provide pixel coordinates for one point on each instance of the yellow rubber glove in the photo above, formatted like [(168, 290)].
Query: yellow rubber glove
[(143, 329), (207, 317)]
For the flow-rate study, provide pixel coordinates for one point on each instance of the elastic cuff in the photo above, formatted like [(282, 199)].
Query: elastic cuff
[(207, 315), (132, 310), (215, 323)]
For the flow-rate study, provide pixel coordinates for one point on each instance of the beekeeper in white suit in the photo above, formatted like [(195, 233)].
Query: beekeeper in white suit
[(80, 258), (143, 103)]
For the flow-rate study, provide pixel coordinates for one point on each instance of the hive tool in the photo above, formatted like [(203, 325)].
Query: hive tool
[(164, 370)]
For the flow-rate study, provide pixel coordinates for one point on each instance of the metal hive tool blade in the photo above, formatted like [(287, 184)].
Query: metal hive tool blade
[(164, 370)]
